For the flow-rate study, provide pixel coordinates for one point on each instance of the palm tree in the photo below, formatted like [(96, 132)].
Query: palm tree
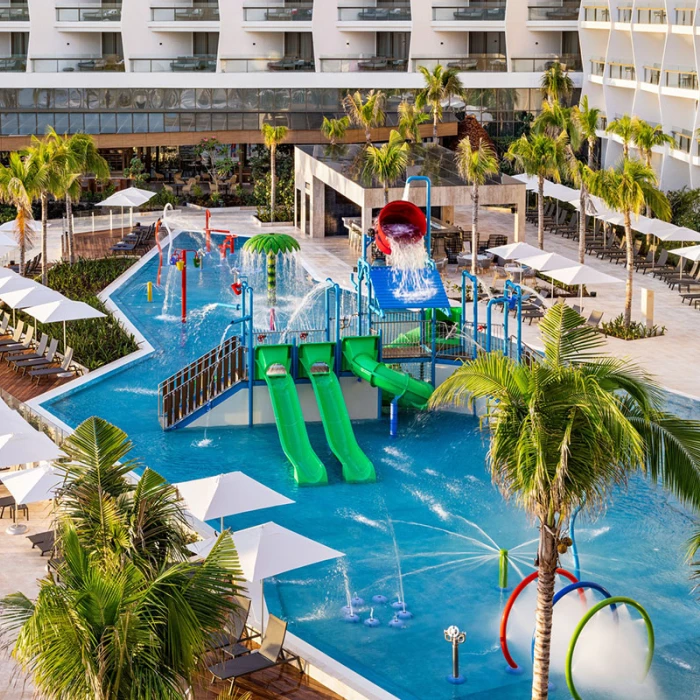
[(475, 165), (410, 119), (541, 156), (20, 185), (441, 84), (365, 113), (556, 84), (271, 245), (387, 162), (273, 136), (646, 138), (626, 128), (334, 129), (628, 188), (83, 158), (567, 430)]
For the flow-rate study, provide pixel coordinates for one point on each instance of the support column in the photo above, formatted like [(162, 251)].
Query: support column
[(318, 209), (519, 231), (448, 215)]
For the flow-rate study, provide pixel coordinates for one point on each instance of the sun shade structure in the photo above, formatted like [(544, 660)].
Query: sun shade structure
[(546, 261), (129, 198), (227, 494), (580, 275), (61, 311), (515, 251), (12, 227), (679, 234), (33, 485), (690, 253), (32, 295)]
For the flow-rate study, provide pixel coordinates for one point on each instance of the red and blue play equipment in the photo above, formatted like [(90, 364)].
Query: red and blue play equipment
[(402, 213), (208, 231)]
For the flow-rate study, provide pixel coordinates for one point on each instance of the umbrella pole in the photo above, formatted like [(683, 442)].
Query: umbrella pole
[(262, 608), (64, 337), (221, 531), (580, 296)]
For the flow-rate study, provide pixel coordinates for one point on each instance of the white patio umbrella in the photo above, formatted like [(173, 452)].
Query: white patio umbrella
[(129, 198), (580, 275), (679, 234), (514, 251), (22, 444), (63, 310), (31, 295), (31, 486), (690, 253), (11, 227), (14, 283), (530, 181), (544, 262), (227, 494), (270, 549)]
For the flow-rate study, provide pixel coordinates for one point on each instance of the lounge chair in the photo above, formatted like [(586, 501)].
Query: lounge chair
[(55, 372), (594, 319), (686, 283), (39, 351), (682, 275), (4, 323), (236, 632), (44, 541), (270, 654), (9, 502), (24, 344), (660, 263), (26, 362), (15, 337)]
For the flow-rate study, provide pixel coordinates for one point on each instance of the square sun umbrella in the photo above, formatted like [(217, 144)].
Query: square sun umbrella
[(63, 310), (227, 494), (129, 198), (690, 253), (514, 251), (31, 486), (544, 262), (32, 294), (580, 275), (13, 283)]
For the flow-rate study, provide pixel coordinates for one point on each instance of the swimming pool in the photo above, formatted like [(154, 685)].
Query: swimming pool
[(420, 518)]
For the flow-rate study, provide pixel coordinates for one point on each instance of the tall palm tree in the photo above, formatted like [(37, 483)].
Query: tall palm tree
[(335, 129), (567, 430), (629, 188), (273, 136), (441, 84), (83, 158), (541, 156), (366, 113), (646, 138), (556, 84), (387, 163), (410, 119), (20, 185), (475, 165), (626, 129)]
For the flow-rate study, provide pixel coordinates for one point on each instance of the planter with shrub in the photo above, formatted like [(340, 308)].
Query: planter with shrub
[(636, 331)]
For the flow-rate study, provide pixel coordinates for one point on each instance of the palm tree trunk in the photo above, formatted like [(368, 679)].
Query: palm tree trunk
[(368, 134), (22, 231), (630, 268), (540, 213), (386, 193), (543, 615), (44, 243), (435, 125), (273, 183), (69, 222), (648, 208), (591, 153), (271, 278), (582, 225), (475, 226)]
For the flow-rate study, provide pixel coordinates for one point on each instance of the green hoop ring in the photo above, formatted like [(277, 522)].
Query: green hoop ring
[(584, 621)]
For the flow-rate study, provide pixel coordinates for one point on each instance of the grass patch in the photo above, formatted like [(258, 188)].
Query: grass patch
[(95, 342)]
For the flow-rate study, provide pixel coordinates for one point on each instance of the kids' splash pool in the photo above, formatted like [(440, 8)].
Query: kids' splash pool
[(429, 529)]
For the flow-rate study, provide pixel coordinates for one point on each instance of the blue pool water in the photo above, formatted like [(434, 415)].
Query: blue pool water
[(431, 485)]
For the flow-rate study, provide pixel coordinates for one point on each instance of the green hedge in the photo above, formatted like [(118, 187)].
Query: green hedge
[(95, 342)]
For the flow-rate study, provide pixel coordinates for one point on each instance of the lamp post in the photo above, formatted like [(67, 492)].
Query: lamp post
[(455, 637)]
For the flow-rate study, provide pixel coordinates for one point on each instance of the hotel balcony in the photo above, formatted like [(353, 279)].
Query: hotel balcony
[(652, 75), (80, 64), (597, 72), (651, 19), (14, 18), (596, 15), (363, 64), (553, 16), (390, 16), (622, 73), (88, 19), (183, 18), (297, 18), (469, 15), (13, 64), (683, 145), (684, 17), (682, 81), (278, 64), (179, 64), (625, 14), (481, 63), (540, 64)]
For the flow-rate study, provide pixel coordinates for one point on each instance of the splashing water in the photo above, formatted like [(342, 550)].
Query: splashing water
[(302, 318), (409, 261)]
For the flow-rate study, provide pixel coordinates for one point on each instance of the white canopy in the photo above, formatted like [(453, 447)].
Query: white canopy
[(679, 234), (690, 253), (63, 310), (546, 261), (560, 192), (31, 295), (7, 272), (201, 548), (515, 251), (11, 227), (530, 181), (20, 443), (582, 274), (130, 197), (33, 485), (14, 282), (227, 494)]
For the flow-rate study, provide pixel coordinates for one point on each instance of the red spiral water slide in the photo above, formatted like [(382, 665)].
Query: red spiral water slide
[(404, 216)]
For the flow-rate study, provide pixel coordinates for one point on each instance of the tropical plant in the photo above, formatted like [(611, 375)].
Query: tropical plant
[(335, 129), (20, 185), (475, 165), (685, 207), (647, 137), (629, 188), (136, 171), (625, 128), (270, 246), (581, 176), (366, 113), (273, 136), (441, 85), (215, 159), (565, 431), (540, 156), (556, 84), (410, 120), (387, 163), (617, 329)]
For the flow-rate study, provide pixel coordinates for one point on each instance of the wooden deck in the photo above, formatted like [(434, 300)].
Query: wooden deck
[(21, 387), (97, 245)]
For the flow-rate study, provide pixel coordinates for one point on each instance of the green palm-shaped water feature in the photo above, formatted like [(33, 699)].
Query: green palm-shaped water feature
[(271, 245)]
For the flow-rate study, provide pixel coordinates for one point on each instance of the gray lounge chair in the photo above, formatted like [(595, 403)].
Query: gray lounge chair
[(15, 337), (28, 362), (24, 344), (58, 372), (270, 654), (39, 351), (594, 319), (230, 639), (4, 323), (44, 541)]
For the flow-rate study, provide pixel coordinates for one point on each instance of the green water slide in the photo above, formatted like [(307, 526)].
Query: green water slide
[(273, 363), (360, 355), (317, 364)]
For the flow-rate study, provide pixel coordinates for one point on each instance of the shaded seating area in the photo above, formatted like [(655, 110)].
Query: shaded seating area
[(139, 240)]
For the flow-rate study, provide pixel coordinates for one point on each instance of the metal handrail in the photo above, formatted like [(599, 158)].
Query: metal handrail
[(58, 435)]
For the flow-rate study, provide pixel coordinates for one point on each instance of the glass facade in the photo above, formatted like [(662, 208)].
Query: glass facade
[(29, 111)]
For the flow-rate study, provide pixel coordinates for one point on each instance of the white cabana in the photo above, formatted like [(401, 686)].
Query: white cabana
[(514, 251), (270, 549), (227, 494), (31, 486), (128, 199), (61, 311)]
